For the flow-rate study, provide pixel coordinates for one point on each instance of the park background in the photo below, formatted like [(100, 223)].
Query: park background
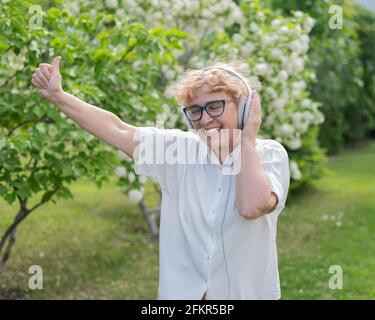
[(74, 206)]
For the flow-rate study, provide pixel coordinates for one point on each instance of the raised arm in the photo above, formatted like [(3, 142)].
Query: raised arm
[(101, 123)]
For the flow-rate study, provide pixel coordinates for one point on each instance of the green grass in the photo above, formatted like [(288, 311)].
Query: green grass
[(332, 223), (95, 246)]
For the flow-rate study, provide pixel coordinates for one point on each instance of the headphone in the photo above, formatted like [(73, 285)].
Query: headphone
[(243, 105)]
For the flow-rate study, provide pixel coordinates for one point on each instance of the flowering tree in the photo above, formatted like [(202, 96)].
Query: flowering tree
[(107, 62), (342, 58)]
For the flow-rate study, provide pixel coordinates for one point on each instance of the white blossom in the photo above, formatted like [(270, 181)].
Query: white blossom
[(192, 6), (127, 4), (283, 75), (319, 118), (306, 103), (248, 48), (302, 127), (203, 23), (142, 179), (157, 16), (294, 144), (309, 23), (133, 86), (286, 129), (131, 177), (299, 14), (120, 12), (298, 87), (120, 171), (111, 4), (276, 53), (207, 13), (284, 29), (268, 39), (279, 103), (276, 23), (294, 64), (271, 92), (263, 69), (34, 46), (237, 15), (296, 46), (296, 117), (237, 38), (135, 196), (254, 28), (73, 8), (295, 172), (297, 30)]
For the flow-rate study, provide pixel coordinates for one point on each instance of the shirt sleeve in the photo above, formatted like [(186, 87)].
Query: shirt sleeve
[(151, 160), (275, 163)]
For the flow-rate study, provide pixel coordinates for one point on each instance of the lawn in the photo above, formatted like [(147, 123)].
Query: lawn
[(95, 246)]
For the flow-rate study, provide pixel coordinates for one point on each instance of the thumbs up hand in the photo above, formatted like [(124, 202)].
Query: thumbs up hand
[(47, 78)]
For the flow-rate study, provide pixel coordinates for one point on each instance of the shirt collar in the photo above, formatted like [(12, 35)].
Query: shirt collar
[(207, 155), (229, 165)]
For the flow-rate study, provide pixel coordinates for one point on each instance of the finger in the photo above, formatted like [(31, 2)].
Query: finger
[(255, 103), (37, 80), (36, 83), (45, 68), (45, 64), (56, 63), (254, 118), (36, 76), (40, 76), (42, 81), (255, 98)]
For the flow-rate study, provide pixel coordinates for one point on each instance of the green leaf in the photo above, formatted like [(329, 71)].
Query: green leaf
[(10, 197), (47, 196)]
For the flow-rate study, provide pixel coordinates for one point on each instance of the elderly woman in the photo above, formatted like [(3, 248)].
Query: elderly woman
[(219, 208)]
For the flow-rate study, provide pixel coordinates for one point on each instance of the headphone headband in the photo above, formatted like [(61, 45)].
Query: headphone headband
[(235, 73)]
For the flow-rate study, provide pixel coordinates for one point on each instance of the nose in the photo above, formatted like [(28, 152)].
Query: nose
[(205, 120)]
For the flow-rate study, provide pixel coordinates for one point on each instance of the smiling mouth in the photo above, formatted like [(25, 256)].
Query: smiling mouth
[(212, 130)]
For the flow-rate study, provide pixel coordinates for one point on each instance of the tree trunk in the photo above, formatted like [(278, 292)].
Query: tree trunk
[(151, 217), (4, 257), (9, 236)]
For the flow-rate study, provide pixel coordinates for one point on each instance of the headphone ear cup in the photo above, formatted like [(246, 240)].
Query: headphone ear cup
[(241, 110)]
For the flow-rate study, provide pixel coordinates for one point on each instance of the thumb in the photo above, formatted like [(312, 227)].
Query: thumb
[(56, 64)]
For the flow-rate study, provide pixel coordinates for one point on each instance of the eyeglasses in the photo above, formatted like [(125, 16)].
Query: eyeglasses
[(214, 108)]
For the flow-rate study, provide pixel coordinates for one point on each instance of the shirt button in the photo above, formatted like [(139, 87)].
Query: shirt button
[(208, 258), (212, 235), (219, 189)]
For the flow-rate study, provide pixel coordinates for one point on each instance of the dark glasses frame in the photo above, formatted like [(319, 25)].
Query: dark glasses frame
[(204, 107)]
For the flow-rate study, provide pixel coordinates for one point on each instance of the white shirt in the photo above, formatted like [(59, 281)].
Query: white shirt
[(203, 247)]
